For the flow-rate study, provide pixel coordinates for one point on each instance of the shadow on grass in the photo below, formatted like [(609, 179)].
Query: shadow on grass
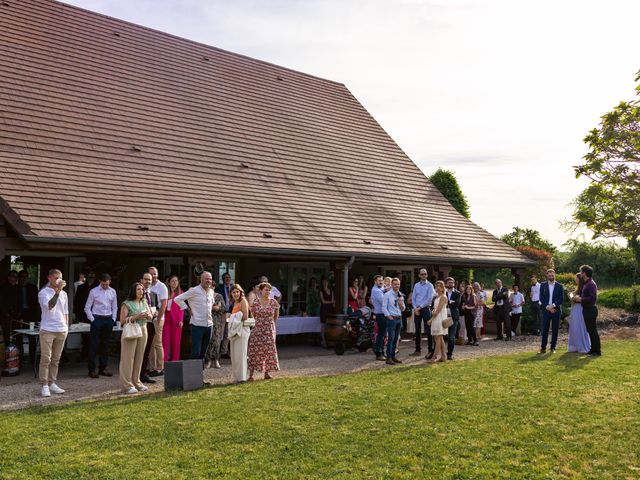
[(570, 361), (573, 361)]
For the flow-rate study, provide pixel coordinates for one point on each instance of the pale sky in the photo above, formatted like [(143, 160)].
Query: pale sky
[(501, 92)]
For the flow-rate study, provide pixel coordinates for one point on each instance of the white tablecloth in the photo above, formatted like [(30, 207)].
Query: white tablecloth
[(289, 325)]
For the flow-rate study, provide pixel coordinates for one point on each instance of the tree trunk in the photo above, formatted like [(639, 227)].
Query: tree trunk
[(634, 245)]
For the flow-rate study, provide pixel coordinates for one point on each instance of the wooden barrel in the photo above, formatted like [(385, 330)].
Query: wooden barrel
[(334, 329)]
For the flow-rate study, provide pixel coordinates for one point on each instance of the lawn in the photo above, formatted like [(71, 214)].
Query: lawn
[(520, 416)]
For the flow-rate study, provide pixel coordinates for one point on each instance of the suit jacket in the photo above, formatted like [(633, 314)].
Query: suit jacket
[(455, 301), (558, 296), (502, 294), (228, 301), (80, 299)]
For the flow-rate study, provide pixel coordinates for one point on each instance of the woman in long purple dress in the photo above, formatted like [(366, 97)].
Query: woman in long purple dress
[(578, 336)]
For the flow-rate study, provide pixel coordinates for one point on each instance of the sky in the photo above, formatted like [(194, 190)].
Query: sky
[(501, 92)]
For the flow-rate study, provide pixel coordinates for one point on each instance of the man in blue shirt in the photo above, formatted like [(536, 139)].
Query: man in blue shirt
[(421, 300), (393, 306), (377, 296)]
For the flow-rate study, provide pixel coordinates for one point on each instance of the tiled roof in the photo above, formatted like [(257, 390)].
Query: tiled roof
[(107, 126)]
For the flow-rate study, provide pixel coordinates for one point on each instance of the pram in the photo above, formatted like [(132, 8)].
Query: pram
[(357, 332)]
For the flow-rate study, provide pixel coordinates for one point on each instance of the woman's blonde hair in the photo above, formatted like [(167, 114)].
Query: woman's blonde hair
[(237, 286), (264, 285), (440, 283)]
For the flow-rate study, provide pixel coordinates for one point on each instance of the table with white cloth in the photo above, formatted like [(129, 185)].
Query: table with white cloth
[(291, 325), (73, 328)]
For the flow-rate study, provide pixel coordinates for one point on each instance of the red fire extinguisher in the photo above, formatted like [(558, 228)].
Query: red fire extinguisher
[(11, 360)]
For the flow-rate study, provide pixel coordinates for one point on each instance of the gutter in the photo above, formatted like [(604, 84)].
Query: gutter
[(198, 247)]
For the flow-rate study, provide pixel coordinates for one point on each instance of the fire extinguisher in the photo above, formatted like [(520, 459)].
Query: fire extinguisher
[(11, 360)]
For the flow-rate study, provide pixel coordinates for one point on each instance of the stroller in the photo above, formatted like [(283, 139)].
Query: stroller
[(357, 332)]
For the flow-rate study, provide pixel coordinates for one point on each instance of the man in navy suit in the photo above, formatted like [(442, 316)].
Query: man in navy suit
[(551, 298)]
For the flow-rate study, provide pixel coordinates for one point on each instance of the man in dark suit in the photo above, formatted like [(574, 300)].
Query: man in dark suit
[(551, 298), (502, 310), (454, 300), (225, 290)]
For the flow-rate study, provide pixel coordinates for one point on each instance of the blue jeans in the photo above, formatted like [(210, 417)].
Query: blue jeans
[(453, 331), (393, 332), (381, 320), (200, 338), (100, 333)]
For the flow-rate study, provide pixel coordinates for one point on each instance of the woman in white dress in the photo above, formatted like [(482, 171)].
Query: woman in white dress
[(239, 334), (481, 295), (437, 330)]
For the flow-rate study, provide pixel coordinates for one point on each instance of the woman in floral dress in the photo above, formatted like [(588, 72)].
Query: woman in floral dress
[(262, 353)]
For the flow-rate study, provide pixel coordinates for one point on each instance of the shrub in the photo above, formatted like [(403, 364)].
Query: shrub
[(615, 298), (566, 279), (634, 299)]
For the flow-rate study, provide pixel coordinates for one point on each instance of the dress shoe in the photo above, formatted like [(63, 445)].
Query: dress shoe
[(147, 379), (449, 357), (395, 360), (429, 355), (105, 372), (156, 373), (595, 354), (417, 353), (380, 358), (389, 361), (542, 351), (93, 374), (497, 339)]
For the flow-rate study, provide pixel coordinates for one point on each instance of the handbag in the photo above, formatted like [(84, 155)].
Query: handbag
[(447, 322), (131, 331)]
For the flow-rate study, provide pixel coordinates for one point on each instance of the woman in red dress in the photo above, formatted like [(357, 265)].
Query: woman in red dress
[(262, 352)]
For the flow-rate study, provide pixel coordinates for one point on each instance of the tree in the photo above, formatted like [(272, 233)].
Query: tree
[(610, 205), (526, 237), (446, 182)]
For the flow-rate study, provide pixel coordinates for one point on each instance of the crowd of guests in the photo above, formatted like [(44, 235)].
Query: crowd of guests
[(225, 321), (446, 313), (151, 318)]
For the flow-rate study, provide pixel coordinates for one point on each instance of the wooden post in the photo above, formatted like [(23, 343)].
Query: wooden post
[(518, 273)]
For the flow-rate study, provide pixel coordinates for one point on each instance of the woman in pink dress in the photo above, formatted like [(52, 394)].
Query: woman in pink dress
[(173, 317), (262, 352)]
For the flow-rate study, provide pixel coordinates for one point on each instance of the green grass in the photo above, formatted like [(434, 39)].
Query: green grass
[(520, 416)]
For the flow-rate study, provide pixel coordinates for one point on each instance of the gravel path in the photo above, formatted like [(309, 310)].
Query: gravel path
[(295, 361)]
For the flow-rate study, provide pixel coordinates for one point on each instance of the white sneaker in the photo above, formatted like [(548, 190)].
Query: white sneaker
[(56, 389), (45, 391), (131, 391), (216, 364), (143, 388), (513, 334)]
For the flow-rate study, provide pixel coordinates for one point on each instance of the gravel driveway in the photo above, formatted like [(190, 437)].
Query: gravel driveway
[(295, 361)]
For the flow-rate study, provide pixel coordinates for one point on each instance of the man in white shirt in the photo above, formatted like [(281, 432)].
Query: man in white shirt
[(516, 299), (156, 355), (54, 326), (275, 293), (536, 313), (201, 299), (101, 310)]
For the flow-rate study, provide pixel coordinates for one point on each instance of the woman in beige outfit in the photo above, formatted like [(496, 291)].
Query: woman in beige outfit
[(134, 309)]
